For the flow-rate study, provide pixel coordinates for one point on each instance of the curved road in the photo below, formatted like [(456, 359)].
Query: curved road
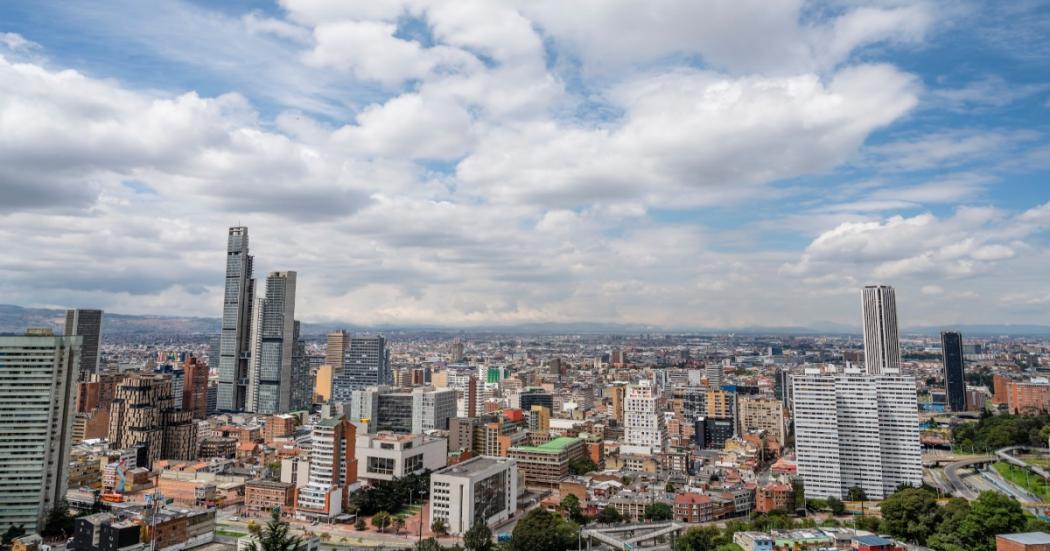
[(952, 472)]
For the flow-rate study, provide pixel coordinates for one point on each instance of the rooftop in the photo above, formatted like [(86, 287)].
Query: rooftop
[(473, 466), (1027, 538), (557, 445)]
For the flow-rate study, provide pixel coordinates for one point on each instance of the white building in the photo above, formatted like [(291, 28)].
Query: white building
[(854, 429), (386, 456), (881, 347), (333, 468), (38, 373), (482, 489), (432, 408), (643, 422)]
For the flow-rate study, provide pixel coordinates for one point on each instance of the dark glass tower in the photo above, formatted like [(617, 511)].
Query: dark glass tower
[(954, 380), (235, 340), (88, 325)]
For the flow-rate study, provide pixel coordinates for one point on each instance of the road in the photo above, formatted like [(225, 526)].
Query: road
[(952, 472)]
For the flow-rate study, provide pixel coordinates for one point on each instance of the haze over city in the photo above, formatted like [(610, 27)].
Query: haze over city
[(490, 163)]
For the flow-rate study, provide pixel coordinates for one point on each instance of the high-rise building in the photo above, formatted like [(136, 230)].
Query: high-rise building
[(715, 374), (143, 412), (881, 345), (643, 421), (854, 429), (195, 388), (755, 414), (536, 397), (273, 347), (954, 378), (38, 373), (336, 351), (303, 377), (235, 339), (367, 364), (419, 410), (333, 468), (457, 354), (618, 393), (86, 324)]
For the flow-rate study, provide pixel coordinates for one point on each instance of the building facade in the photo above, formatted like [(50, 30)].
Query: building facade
[(86, 324), (143, 412), (235, 339), (386, 456), (755, 414), (479, 490), (366, 364), (333, 468), (954, 377), (273, 347), (881, 345), (643, 422), (547, 464)]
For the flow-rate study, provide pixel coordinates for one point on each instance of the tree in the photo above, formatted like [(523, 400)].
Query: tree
[(836, 506), (699, 538), (381, 520), (669, 488), (658, 511), (570, 505), (798, 489), (429, 544), (254, 528), (911, 514), (275, 536), (582, 465), (990, 514), (360, 525), (857, 493), (13, 532), (609, 514), (478, 538), (399, 524), (439, 527), (58, 522), (541, 529)]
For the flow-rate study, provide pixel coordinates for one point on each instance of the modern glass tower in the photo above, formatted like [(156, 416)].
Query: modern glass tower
[(881, 345), (273, 347), (954, 379), (367, 364), (235, 340), (86, 324)]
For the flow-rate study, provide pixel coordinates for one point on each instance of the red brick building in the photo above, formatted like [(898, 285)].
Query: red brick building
[(195, 388), (773, 497), (693, 507)]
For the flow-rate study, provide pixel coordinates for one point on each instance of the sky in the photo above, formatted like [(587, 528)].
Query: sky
[(673, 163)]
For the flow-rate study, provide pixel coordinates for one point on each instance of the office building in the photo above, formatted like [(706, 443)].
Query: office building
[(457, 353), (715, 375), (643, 420), (763, 415), (333, 468), (273, 347), (1028, 397), (366, 364), (263, 496), (617, 394), (854, 429), (547, 464), (539, 418), (195, 388), (303, 381), (143, 412), (385, 409), (479, 490), (38, 374), (335, 353), (323, 383), (86, 324), (954, 377), (386, 456), (881, 345), (536, 397), (235, 339)]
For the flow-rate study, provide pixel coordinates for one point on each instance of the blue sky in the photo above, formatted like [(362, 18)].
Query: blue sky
[(676, 163)]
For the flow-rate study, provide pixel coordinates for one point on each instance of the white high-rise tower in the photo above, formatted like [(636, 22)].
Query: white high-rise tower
[(643, 422), (881, 346)]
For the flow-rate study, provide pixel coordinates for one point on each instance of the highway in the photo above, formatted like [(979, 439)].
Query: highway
[(960, 487)]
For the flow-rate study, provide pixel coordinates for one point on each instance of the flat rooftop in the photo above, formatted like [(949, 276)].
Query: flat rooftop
[(1027, 538), (473, 466), (557, 445)]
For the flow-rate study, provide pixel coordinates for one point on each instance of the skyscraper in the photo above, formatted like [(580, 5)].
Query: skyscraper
[(854, 429), (302, 375), (643, 422), (235, 340), (273, 347), (86, 324), (954, 378), (38, 373), (335, 354), (195, 389), (881, 346), (367, 364), (143, 412)]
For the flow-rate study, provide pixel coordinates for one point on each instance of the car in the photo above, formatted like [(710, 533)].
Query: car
[(235, 519)]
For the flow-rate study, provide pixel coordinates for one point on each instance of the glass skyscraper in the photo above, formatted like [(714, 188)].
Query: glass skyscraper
[(954, 379), (273, 347), (234, 341)]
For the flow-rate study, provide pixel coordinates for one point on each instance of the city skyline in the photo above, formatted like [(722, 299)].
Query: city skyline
[(576, 166)]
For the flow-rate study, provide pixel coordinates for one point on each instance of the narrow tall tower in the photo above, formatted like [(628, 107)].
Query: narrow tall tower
[(954, 381), (881, 345), (235, 340), (86, 324), (273, 347)]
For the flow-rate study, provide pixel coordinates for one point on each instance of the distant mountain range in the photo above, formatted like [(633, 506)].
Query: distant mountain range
[(15, 319)]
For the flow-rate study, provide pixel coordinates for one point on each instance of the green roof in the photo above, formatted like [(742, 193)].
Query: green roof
[(557, 445)]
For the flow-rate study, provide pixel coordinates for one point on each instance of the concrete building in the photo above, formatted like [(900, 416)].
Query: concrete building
[(195, 388), (333, 468), (643, 422), (954, 378), (143, 412), (335, 353), (755, 414), (263, 496), (1028, 541), (881, 345), (323, 383), (617, 395), (1028, 397), (38, 375), (853, 429), (105, 532), (386, 456), (479, 490), (86, 324), (547, 464), (273, 347), (386, 409), (367, 363), (235, 339)]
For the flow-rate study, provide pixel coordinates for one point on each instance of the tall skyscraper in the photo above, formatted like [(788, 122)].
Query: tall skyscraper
[(881, 345), (235, 340), (854, 429), (195, 389), (38, 373), (954, 378), (302, 375), (143, 412), (643, 422), (335, 354), (273, 347), (366, 364), (86, 324)]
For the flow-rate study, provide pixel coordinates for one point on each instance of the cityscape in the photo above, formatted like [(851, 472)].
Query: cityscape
[(426, 275)]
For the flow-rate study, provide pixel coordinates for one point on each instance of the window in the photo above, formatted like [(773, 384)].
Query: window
[(381, 465)]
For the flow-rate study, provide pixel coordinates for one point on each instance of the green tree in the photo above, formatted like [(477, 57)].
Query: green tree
[(798, 490), (870, 524), (399, 524), (609, 514), (582, 465), (911, 514), (541, 529), (478, 538), (429, 544), (439, 527), (856, 493), (990, 514), (360, 525), (13, 532), (58, 521), (669, 488), (658, 512), (836, 506), (275, 536), (570, 505), (947, 537), (381, 520), (700, 538)]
